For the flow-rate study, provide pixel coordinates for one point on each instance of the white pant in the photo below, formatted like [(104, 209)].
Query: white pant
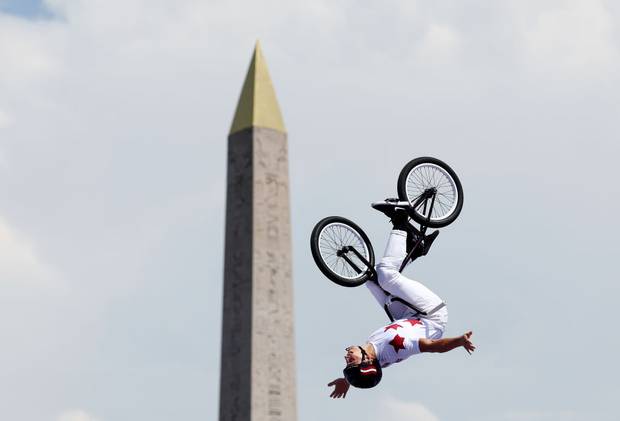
[(398, 285)]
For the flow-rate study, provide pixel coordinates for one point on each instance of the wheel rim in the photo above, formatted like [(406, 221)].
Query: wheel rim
[(426, 176), (332, 238)]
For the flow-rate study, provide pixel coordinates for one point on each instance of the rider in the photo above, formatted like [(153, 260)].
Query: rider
[(411, 332)]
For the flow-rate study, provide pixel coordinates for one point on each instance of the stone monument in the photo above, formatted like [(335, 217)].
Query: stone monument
[(257, 379)]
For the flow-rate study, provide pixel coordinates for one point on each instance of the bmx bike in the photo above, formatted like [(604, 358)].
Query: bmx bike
[(431, 193)]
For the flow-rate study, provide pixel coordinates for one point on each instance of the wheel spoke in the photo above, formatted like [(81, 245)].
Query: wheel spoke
[(428, 175), (332, 239)]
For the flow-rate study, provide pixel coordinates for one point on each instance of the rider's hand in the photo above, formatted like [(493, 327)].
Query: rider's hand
[(467, 343), (341, 388)]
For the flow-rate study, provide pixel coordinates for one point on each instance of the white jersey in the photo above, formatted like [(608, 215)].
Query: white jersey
[(400, 340)]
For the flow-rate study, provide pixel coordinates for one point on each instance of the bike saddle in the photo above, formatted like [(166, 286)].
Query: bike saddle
[(389, 206)]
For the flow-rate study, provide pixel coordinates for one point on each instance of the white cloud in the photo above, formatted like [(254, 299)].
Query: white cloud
[(28, 50), (573, 38), (5, 120), (440, 44), (547, 415), (76, 415), (540, 416), (4, 163), (413, 411), (20, 266)]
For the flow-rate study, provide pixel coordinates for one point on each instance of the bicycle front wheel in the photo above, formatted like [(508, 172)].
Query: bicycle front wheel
[(430, 174), (342, 251)]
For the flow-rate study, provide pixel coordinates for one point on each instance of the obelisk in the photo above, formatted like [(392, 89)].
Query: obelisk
[(257, 380)]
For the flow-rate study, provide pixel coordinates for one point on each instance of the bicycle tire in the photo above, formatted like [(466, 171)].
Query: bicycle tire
[(422, 173), (329, 235)]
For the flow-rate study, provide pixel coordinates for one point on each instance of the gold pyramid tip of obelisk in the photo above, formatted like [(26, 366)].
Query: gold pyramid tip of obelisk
[(257, 106)]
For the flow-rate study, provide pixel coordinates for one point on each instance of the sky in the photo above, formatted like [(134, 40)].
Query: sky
[(113, 124)]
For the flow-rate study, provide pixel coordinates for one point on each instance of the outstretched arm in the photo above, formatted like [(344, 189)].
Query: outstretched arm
[(341, 388), (447, 344)]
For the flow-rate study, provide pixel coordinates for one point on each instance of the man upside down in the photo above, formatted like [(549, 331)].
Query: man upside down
[(412, 332)]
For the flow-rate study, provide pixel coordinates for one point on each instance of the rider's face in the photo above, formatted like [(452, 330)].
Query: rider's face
[(353, 355)]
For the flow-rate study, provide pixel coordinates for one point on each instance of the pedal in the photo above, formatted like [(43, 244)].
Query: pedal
[(422, 248), (428, 242)]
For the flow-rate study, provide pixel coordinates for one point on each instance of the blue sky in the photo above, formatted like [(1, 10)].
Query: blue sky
[(113, 125), (30, 9)]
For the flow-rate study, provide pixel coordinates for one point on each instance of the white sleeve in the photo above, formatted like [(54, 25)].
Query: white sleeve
[(415, 346)]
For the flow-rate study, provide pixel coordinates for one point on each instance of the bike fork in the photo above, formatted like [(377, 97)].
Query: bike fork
[(343, 253), (428, 194)]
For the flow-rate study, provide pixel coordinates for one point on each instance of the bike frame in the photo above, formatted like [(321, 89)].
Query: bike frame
[(424, 198)]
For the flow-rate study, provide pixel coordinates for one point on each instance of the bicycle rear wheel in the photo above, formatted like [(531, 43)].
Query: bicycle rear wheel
[(430, 174), (339, 248)]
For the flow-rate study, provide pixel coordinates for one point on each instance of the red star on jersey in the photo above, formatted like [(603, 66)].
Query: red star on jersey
[(394, 326), (414, 322), (398, 343)]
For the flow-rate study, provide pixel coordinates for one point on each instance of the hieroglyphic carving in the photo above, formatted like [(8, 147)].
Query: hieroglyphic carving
[(235, 381), (273, 349), (258, 364)]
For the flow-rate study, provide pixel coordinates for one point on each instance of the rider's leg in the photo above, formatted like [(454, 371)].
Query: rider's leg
[(399, 219), (392, 281), (397, 309), (376, 292)]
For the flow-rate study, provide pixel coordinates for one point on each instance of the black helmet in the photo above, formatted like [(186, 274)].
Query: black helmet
[(365, 375)]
